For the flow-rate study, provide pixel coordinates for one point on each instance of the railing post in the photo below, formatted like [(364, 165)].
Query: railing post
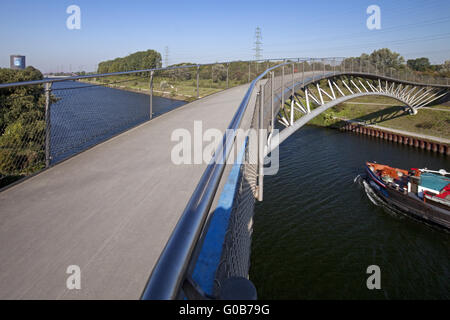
[(261, 144), (271, 102), (151, 94), (249, 66), (212, 76), (48, 86), (313, 67), (282, 86), (198, 78), (228, 67), (303, 73), (293, 81)]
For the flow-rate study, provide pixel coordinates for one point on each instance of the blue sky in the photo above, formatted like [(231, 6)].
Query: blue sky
[(210, 31)]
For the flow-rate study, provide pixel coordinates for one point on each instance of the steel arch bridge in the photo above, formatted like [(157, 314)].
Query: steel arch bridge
[(113, 225), (291, 93), (314, 95)]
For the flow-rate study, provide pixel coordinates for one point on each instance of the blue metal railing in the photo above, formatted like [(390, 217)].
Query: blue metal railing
[(170, 270)]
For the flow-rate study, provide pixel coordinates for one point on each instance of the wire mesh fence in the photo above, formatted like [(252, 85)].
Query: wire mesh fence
[(23, 128), (41, 125), (275, 89), (85, 115), (89, 110), (38, 131), (235, 258)]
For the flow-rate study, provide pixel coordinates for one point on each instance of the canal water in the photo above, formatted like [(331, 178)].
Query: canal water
[(85, 115), (316, 232)]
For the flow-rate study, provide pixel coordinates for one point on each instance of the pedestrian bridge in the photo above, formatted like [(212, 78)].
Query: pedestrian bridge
[(140, 226)]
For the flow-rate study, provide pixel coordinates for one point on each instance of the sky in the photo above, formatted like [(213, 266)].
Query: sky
[(214, 31)]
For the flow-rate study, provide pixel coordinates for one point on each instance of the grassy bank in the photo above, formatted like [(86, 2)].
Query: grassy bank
[(385, 112), (185, 90)]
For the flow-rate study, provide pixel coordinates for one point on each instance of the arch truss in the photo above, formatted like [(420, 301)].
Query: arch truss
[(342, 88), (312, 97)]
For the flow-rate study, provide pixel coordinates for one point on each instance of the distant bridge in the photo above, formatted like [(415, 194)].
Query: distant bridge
[(116, 209)]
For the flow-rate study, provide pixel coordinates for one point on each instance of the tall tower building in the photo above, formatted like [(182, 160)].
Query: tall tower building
[(17, 61)]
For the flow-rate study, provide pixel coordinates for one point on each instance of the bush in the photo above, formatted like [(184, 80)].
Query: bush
[(425, 125), (339, 108), (22, 123), (163, 84)]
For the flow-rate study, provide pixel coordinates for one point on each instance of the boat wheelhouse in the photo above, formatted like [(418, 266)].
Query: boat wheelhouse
[(420, 193)]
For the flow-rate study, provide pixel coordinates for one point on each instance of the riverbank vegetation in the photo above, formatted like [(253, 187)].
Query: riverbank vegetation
[(387, 113), (136, 61), (181, 81), (22, 125)]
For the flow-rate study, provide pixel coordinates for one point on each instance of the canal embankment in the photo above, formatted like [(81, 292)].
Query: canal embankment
[(382, 118), (435, 144)]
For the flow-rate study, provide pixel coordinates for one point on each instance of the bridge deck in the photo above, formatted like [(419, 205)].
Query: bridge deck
[(109, 210)]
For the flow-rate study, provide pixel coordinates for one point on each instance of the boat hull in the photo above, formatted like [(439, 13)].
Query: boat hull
[(408, 204)]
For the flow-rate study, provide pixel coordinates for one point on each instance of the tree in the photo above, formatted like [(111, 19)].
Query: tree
[(22, 123), (387, 58), (140, 60), (182, 74), (446, 66), (419, 64), (219, 73), (382, 58)]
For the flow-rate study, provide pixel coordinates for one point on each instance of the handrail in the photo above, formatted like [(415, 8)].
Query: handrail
[(101, 75), (173, 264), (169, 271)]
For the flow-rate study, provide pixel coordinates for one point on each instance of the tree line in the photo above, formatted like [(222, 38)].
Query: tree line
[(22, 108), (140, 60)]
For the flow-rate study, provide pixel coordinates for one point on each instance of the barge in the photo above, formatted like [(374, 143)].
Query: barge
[(420, 193)]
